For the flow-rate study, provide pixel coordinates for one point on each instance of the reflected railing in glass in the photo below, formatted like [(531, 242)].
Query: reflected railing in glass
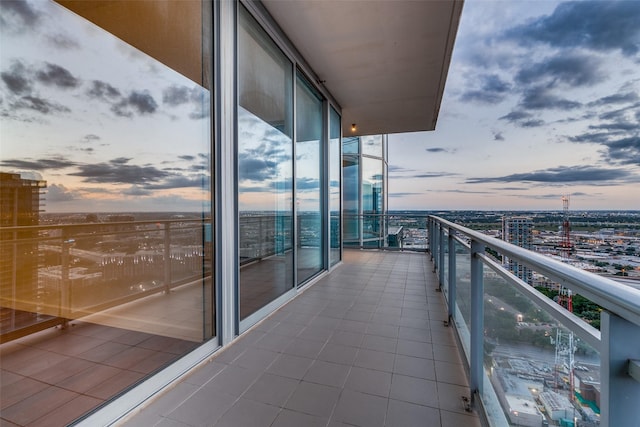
[(83, 269)]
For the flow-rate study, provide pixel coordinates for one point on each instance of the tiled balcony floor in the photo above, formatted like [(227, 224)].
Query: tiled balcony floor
[(365, 346)]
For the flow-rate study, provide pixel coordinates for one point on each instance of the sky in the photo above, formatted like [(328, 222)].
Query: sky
[(106, 126), (542, 100)]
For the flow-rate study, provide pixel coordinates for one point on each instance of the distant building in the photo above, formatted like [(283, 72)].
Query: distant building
[(518, 230), (19, 206)]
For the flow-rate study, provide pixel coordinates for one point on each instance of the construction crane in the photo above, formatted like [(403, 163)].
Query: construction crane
[(566, 229)]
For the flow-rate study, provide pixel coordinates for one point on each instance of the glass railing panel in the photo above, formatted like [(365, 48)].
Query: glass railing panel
[(463, 294), (539, 371)]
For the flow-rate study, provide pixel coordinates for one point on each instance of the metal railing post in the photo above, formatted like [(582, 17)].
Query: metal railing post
[(620, 394), (436, 247), (476, 320), (451, 295), (65, 283), (167, 258), (442, 243)]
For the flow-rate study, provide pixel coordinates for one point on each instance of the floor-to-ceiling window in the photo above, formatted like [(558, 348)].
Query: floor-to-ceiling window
[(265, 167), (351, 189), (335, 211), (309, 162), (106, 108), (364, 168)]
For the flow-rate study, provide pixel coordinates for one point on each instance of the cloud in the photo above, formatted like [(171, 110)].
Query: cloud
[(522, 119), (541, 98), (103, 91), (396, 169), (562, 174), (136, 190), (492, 90), (59, 193), (90, 138), (141, 103), (62, 41), (15, 79), (18, 15), (586, 24), (39, 164), (55, 75), (176, 95), (618, 98), (399, 194), (437, 150), (256, 169), (198, 97), (572, 69), (498, 136), (38, 104), (118, 171)]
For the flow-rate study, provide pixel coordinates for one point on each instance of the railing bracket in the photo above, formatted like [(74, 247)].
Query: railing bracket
[(466, 403), (445, 323), (438, 289)]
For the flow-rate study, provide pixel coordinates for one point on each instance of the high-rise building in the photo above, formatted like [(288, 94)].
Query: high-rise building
[(19, 206), (518, 230)]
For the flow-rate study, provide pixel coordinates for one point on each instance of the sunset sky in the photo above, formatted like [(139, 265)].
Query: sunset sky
[(542, 100)]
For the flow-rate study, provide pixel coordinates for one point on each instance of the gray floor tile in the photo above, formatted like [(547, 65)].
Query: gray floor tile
[(404, 414), (271, 389), (375, 342), (451, 373), (414, 390), (414, 367), (361, 409), (338, 353), (353, 339), (369, 381), (290, 366), (415, 349), (327, 373), (313, 399), (233, 380), (248, 413), (287, 418), (304, 348), (373, 359), (257, 358), (414, 334), (202, 408), (452, 419)]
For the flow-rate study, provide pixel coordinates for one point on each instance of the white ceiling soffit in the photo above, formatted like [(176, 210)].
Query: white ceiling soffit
[(384, 61)]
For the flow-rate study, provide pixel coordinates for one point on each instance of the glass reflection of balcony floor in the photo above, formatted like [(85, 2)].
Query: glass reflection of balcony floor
[(54, 376), (364, 346)]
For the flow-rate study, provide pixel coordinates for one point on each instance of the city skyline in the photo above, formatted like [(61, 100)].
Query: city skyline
[(542, 100)]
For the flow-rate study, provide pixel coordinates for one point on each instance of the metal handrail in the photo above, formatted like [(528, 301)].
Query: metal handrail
[(613, 296)]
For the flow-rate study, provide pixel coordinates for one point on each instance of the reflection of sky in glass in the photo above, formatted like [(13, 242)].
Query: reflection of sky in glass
[(371, 185), (264, 165), (372, 145), (108, 127)]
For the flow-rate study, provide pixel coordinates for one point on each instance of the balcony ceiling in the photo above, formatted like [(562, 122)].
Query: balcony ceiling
[(385, 62)]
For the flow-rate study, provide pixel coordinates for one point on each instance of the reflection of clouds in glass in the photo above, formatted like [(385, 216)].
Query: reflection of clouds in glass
[(92, 89), (264, 163)]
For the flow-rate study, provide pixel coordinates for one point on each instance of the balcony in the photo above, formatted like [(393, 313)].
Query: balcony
[(366, 345)]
